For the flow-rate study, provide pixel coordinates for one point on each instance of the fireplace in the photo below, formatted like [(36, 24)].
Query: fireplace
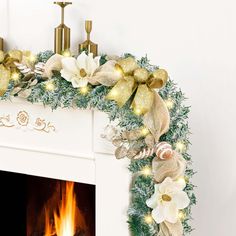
[(37, 206), (74, 152)]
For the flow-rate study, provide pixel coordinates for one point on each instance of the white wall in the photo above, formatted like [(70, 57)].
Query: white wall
[(195, 41)]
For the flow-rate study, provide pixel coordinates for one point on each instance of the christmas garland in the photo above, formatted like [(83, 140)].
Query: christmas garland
[(148, 124)]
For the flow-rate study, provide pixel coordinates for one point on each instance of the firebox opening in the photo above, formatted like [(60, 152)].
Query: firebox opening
[(37, 206)]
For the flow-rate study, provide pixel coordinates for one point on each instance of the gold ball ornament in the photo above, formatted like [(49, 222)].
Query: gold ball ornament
[(159, 78), (141, 75), (2, 56), (128, 65)]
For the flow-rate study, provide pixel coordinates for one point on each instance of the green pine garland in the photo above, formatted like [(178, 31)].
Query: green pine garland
[(142, 188)]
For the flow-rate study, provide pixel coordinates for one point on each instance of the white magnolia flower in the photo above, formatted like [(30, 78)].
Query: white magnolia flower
[(167, 200), (78, 71)]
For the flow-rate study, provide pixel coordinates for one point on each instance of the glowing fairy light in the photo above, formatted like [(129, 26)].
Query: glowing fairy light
[(50, 86), (180, 146), (66, 53), (148, 219), (32, 58), (181, 180), (145, 131), (169, 103), (84, 90), (147, 171), (15, 76), (181, 215), (137, 111)]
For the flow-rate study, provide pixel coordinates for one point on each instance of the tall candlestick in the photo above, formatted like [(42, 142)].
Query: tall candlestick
[(62, 32), (1, 44), (88, 45)]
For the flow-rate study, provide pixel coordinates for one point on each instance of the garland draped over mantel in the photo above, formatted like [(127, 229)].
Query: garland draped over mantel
[(148, 124)]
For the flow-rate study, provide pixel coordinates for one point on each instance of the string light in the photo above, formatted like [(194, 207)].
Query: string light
[(32, 58), (180, 146), (169, 103), (181, 215), (147, 171), (137, 111), (84, 90), (15, 76), (148, 219), (66, 53), (181, 180), (114, 92), (145, 131), (50, 86)]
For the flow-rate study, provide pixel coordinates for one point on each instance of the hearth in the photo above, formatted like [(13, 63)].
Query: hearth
[(38, 206)]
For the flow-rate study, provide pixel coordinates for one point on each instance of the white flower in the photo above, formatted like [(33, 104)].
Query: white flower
[(167, 200), (78, 71)]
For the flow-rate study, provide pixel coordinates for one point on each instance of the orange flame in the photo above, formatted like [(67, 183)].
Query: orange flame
[(66, 218), (65, 221)]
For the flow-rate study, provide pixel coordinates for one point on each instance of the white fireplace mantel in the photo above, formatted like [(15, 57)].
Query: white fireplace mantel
[(75, 151)]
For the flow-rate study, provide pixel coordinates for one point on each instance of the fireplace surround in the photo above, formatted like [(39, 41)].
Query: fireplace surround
[(62, 153)]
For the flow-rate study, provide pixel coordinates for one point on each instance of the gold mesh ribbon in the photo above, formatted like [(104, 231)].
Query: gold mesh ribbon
[(168, 229), (173, 167), (5, 75)]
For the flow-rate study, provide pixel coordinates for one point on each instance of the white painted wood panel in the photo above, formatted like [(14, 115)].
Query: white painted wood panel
[(112, 194), (47, 165), (73, 135)]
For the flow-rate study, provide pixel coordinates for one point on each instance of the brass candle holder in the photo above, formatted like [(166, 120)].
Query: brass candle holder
[(88, 45), (1, 44), (62, 32)]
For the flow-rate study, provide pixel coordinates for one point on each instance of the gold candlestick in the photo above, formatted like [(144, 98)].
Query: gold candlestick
[(62, 32), (88, 45), (1, 44)]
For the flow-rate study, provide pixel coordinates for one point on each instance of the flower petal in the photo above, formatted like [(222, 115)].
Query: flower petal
[(83, 82), (158, 214), (82, 60), (153, 201), (69, 64), (181, 199), (171, 212), (91, 65), (66, 75), (75, 81), (166, 186)]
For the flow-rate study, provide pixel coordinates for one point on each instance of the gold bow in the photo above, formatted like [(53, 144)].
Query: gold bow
[(5, 75), (7, 67), (136, 81)]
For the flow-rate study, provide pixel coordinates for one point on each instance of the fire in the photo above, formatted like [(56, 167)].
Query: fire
[(65, 219)]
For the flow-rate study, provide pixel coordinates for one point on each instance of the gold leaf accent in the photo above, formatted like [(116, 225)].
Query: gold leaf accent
[(42, 125), (5, 121), (23, 118)]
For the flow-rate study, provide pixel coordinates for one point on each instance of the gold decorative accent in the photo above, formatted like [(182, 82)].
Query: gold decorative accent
[(1, 44), (41, 125), (23, 118), (5, 121), (62, 32), (88, 45)]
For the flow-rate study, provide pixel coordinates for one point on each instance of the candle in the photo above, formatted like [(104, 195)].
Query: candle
[(1, 44)]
